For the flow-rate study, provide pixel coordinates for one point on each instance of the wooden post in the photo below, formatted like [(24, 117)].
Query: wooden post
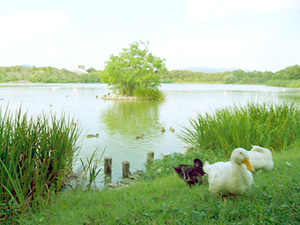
[(150, 157), (107, 179), (126, 169), (107, 165)]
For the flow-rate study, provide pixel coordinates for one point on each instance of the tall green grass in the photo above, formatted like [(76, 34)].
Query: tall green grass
[(270, 125), (36, 156)]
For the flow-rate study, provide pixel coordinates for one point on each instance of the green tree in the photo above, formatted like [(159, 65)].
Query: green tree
[(292, 72), (135, 72)]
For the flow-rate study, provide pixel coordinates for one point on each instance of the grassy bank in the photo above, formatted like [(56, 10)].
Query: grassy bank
[(274, 199)]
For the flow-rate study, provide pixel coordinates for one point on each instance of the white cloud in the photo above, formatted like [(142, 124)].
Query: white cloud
[(172, 27), (234, 49), (199, 10), (114, 33), (24, 25)]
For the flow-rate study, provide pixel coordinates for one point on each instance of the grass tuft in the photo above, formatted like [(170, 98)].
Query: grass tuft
[(36, 156), (273, 126)]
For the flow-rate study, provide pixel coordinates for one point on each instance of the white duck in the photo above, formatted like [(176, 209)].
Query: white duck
[(261, 158), (230, 177)]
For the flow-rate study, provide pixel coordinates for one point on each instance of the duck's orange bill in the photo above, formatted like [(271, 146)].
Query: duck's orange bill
[(248, 164)]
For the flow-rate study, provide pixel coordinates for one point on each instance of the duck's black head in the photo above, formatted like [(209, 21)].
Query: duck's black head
[(198, 163)]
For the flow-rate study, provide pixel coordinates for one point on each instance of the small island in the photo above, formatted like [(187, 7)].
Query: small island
[(134, 74)]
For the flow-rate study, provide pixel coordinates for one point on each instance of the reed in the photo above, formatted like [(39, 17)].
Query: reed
[(36, 156), (270, 125), (91, 168)]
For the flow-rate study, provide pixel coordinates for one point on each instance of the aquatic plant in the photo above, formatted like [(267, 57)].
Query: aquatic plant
[(36, 156), (91, 168), (270, 125)]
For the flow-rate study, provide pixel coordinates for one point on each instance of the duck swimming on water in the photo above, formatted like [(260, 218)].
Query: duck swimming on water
[(139, 137), (92, 136)]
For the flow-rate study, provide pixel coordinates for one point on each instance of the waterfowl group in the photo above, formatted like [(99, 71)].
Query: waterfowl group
[(229, 178), (163, 130), (191, 174)]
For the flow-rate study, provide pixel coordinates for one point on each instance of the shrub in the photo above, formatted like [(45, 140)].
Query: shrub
[(149, 94)]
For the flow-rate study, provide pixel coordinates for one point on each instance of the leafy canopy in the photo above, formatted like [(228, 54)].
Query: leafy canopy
[(135, 71)]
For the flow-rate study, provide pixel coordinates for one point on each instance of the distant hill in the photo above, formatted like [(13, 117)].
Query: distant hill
[(210, 70), (25, 65)]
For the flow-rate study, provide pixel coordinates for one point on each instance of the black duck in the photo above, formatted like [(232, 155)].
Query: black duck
[(191, 174)]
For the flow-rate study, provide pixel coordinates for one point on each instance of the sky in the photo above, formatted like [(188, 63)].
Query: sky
[(261, 35)]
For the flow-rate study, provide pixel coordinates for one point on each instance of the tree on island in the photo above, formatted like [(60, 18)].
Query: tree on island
[(135, 72)]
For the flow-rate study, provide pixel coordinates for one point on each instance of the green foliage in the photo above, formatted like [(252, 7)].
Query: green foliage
[(134, 71), (46, 75), (271, 125), (289, 77), (149, 93), (36, 157)]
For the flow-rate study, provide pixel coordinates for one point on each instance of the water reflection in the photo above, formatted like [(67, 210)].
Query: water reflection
[(290, 97), (132, 118)]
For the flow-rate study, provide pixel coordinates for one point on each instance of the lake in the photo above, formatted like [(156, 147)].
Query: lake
[(119, 122)]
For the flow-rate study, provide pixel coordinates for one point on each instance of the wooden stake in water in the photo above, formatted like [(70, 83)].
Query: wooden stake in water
[(150, 157), (126, 169), (107, 165)]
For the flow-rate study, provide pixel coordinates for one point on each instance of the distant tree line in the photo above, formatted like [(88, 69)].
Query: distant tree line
[(288, 77), (47, 75)]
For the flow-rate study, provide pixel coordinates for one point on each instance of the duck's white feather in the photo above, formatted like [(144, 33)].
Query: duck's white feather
[(261, 158), (229, 177)]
